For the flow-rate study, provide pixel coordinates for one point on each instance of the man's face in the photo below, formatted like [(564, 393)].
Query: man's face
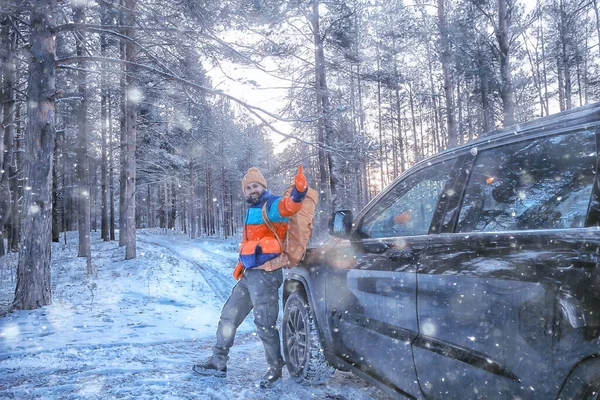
[(253, 191)]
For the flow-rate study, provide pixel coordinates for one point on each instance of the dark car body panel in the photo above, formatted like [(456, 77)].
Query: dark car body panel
[(499, 297), (371, 309), (452, 315)]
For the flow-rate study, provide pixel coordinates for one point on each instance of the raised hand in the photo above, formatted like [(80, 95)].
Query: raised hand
[(403, 218), (300, 180)]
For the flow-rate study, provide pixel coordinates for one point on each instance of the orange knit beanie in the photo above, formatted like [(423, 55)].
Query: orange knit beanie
[(253, 175)]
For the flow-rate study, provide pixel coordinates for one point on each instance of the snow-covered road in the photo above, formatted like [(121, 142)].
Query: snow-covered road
[(134, 329)]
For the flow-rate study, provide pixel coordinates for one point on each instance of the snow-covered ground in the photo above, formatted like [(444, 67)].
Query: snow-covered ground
[(135, 328)]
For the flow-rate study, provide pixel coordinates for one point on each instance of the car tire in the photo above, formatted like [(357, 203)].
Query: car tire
[(583, 383), (585, 391), (301, 345)]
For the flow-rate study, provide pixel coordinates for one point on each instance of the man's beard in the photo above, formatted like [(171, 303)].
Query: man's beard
[(253, 198)]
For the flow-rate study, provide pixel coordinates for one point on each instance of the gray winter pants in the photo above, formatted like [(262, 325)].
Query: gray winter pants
[(257, 289)]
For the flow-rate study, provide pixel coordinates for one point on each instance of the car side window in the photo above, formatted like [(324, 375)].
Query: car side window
[(407, 209), (539, 184)]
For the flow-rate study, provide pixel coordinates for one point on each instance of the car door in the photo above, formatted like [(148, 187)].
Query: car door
[(491, 285), (371, 293)]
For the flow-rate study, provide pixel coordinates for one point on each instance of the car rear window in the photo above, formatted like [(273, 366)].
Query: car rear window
[(539, 184)]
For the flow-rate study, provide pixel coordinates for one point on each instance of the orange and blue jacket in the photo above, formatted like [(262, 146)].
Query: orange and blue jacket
[(259, 244)]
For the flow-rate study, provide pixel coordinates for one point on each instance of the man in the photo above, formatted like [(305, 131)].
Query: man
[(259, 276)]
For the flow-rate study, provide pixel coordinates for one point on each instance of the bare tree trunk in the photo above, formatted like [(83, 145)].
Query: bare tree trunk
[(565, 57), (211, 205), (33, 270), (223, 184), (363, 162), (170, 214), (448, 77), (597, 22), (111, 184), (544, 74), (56, 164), (104, 226), (82, 168), (63, 192), (123, 133), (205, 222), (437, 128), (579, 89), (585, 73), (400, 135), (459, 109), (7, 131), (149, 208), (566, 70), (318, 43), (362, 190), (485, 100), (14, 170), (162, 206), (184, 216), (131, 124), (469, 121), (380, 151), (168, 220), (394, 139), (323, 112), (208, 212), (192, 202), (414, 123), (173, 207), (424, 145), (508, 105), (232, 218), (355, 131), (401, 149), (561, 82), (93, 188), (4, 196), (440, 140)]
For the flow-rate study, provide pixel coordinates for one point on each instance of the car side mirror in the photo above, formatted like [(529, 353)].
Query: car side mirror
[(340, 223)]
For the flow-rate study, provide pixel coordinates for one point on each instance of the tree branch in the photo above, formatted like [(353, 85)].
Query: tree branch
[(91, 27), (170, 76)]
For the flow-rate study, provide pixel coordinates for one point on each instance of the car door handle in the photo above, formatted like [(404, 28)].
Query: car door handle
[(401, 256), (375, 248)]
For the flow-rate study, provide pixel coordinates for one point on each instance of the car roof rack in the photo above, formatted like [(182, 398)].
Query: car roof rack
[(581, 115)]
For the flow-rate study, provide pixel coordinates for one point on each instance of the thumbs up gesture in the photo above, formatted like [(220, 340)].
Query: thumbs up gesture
[(300, 180), (403, 218)]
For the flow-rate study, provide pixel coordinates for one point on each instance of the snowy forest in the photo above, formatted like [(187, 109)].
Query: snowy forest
[(112, 119)]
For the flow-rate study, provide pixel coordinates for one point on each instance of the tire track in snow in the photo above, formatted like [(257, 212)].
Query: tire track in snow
[(205, 343), (219, 283), (219, 287)]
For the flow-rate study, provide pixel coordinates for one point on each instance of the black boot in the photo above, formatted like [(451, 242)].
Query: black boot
[(272, 378), (210, 369)]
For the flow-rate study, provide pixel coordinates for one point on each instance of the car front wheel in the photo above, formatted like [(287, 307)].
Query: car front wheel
[(301, 346)]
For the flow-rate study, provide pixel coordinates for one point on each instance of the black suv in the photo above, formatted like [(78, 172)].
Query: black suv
[(474, 275)]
